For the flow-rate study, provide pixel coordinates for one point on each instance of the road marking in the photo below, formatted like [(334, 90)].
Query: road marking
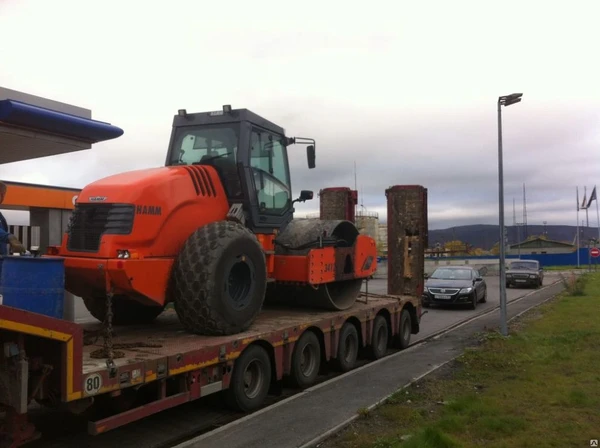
[(436, 335)]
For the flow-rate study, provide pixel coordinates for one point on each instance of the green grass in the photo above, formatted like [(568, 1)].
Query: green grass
[(539, 387), (585, 266), (565, 268)]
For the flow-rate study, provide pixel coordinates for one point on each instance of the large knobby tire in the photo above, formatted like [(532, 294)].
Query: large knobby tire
[(348, 346), (250, 381), (306, 360), (125, 311), (219, 279), (379, 340)]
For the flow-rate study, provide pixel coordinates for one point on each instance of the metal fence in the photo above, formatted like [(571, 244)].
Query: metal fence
[(568, 259)]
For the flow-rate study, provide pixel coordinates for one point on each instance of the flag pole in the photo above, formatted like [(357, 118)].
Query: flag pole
[(597, 213), (577, 239), (587, 206)]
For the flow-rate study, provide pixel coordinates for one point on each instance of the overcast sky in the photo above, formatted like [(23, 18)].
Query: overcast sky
[(406, 89)]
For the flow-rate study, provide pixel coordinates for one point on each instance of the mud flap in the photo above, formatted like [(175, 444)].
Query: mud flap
[(15, 429)]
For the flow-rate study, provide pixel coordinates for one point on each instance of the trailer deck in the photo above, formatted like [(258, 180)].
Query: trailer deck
[(166, 337), (160, 366), (165, 349)]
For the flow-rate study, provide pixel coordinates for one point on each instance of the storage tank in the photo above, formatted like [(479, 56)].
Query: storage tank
[(368, 223), (338, 203)]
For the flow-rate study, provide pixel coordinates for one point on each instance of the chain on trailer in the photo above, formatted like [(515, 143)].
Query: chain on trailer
[(109, 349), (108, 333)]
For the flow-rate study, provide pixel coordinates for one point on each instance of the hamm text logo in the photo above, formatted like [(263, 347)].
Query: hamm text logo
[(148, 210)]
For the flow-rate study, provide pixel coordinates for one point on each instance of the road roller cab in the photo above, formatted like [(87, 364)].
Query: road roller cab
[(209, 232)]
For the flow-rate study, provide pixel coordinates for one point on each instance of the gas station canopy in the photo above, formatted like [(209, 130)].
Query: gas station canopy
[(33, 127)]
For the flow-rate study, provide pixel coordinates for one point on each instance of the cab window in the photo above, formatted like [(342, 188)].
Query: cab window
[(268, 159), (205, 144)]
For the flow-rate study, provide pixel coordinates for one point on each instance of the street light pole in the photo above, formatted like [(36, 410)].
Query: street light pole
[(503, 101)]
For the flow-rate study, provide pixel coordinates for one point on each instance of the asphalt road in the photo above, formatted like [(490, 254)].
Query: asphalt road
[(438, 318)]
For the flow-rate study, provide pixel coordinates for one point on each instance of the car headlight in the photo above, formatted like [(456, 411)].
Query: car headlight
[(532, 276), (466, 290), (509, 275)]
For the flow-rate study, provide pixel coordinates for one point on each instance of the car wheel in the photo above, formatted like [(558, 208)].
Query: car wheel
[(484, 298), (473, 303)]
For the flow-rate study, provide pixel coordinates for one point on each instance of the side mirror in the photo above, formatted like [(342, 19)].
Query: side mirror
[(479, 279), (311, 156), (305, 195), (425, 275)]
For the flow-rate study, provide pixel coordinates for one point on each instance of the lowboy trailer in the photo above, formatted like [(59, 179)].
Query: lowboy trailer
[(257, 295), (62, 364)]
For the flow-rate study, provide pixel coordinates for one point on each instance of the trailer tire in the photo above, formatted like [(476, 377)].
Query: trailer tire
[(347, 351), (307, 349), (219, 279), (379, 340), (404, 330), (125, 311), (246, 398)]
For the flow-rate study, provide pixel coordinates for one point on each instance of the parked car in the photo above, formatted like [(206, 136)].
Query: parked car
[(524, 273), (454, 285)]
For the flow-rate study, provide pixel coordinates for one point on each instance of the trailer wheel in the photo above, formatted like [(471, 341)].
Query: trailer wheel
[(306, 360), (125, 311), (347, 351), (379, 340), (251, 380), (405, 330), (219, 279)]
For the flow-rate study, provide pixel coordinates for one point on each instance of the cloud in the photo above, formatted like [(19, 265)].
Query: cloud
[(406, 90)]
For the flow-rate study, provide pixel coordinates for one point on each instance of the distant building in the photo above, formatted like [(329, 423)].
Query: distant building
[(382, 242), (368, 223), (540, 246)]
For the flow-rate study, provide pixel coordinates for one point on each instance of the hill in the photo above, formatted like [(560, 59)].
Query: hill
[(485, 236)]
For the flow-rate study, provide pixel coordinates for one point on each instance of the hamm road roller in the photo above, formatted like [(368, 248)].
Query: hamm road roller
[(212, 231)]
